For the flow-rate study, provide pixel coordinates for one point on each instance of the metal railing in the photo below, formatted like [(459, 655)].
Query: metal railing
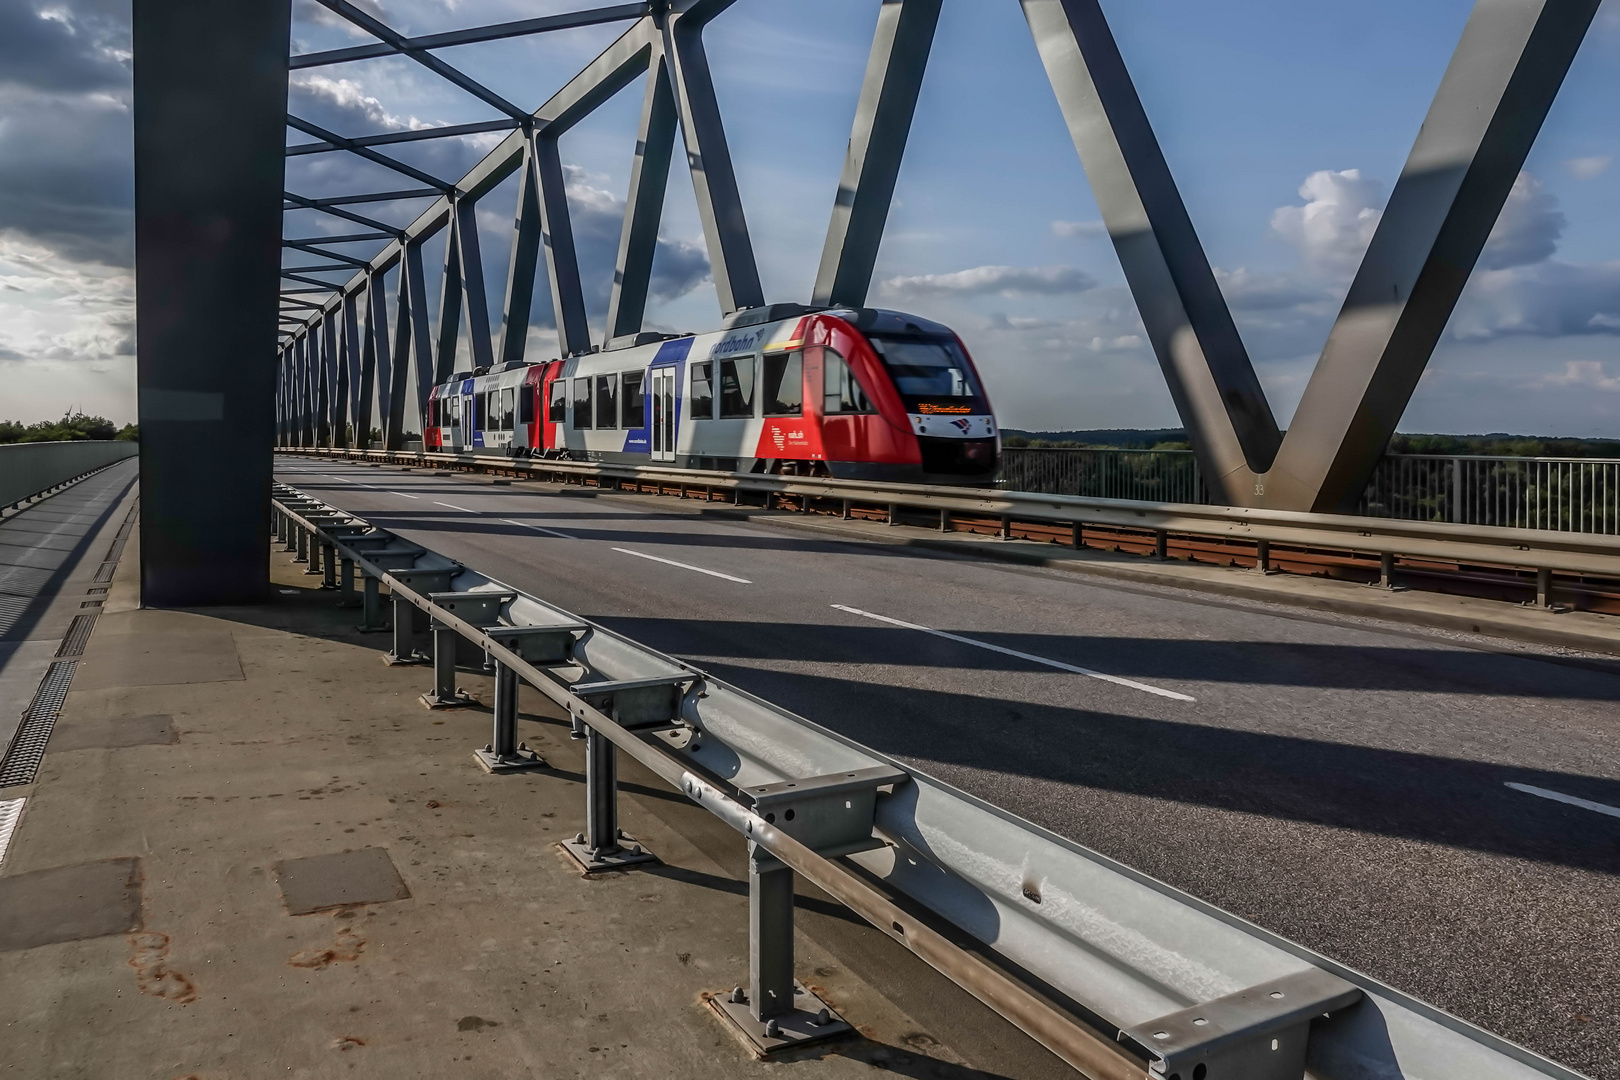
[(1579, 495), (1162, 984), (1148, 475), (30, 469)]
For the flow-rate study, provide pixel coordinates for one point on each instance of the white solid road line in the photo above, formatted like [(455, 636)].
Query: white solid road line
[(453, 506), (684, 566), (537, 528), (402, 495), (1090, 674), (1559, 796)]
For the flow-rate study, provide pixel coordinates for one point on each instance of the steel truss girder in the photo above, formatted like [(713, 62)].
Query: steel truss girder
[(888, 101), (1496, 92), (414, 135), (495, 32)]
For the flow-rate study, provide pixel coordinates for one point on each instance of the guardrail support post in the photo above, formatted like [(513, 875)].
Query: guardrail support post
[(346, 596), (1544, 588), (328, 566), (312, 548), (504, 753), (774, 1012), (1386, 570), (371, 620), (1161, 545), (303, 545), (1076, 535), (1262, 556), (1006, 527), (404, 647), (599, 846), (944, 521), (445, 694), (894, 514)]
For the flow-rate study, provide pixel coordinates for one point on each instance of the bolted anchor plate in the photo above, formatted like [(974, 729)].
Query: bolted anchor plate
[(811, 1020)]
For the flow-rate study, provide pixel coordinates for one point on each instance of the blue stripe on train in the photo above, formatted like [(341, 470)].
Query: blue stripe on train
[(639, 440)]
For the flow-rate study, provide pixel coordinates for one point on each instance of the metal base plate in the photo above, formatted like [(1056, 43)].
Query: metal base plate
[(597, 862), (415, 658), (518, 762), (794, 1029), (462, 700)]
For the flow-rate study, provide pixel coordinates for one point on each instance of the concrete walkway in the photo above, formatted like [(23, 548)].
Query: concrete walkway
[(250, 852)]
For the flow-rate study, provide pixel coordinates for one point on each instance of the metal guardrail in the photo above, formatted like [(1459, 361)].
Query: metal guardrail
[(1580, 495), (1119, 975), (1574, 555), (30, 469)]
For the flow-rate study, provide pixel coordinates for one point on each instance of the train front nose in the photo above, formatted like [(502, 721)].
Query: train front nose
[(958, 457)]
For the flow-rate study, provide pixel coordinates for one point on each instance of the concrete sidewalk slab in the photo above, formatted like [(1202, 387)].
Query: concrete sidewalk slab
[(501, 961)]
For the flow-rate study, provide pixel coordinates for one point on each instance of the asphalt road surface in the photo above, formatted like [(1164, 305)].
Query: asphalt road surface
[(1440, 812)]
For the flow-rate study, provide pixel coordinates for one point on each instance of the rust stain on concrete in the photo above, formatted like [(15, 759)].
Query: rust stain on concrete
[(149, 957), (345, 948)]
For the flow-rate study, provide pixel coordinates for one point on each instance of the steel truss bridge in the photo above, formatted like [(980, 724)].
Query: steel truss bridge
[(240, 353)]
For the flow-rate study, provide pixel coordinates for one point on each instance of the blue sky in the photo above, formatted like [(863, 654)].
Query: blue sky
[(1285, 124)]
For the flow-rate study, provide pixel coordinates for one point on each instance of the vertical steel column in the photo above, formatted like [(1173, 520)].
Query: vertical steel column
[(371, 617), (445, 694), (770, 936), (333, 365), (601, 794), (725, 227), (503, 740), (894, 74), (444, 342), (303, 544), (644, 204), (328, 566), (346, 593), (210, 104), (381, 380), (348, 391)]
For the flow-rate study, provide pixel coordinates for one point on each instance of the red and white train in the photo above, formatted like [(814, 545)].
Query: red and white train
[(868, 395)]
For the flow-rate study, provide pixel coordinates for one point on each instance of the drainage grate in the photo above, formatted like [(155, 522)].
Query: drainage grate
[(28, 746), (78, 634), (92, 603), (99, 591), (10, 814), (106, 572), (116, 552)]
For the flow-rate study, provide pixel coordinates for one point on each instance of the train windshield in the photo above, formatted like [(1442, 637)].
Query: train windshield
[(929, 370)]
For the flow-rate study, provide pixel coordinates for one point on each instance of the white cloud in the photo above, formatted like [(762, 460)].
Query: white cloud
[(1003, 280), (1334, 227), (1584, 375), (1589, 168), (1546, 299), (1528, 229), (1085, 230)]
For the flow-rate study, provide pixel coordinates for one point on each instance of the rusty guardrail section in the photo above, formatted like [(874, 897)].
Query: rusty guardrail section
[(1119, 975), (1557, 570)]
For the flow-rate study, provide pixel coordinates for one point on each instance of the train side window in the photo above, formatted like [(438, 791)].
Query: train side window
[(455, 411), (481, 411), (737, 387), (557, 408), (607, 413), (632, 409), (700, 400), (842, 392), (784, 384), (582, 404), (526, 395), (509, 409)]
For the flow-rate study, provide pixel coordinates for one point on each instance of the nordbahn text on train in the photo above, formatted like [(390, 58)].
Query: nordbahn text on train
[(865, 395)]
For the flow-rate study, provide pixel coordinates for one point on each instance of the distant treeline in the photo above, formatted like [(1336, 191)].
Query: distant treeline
[(1495, 444), (74, 427)]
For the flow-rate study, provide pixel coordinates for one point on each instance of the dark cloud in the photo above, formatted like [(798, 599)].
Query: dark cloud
[(65, 49)]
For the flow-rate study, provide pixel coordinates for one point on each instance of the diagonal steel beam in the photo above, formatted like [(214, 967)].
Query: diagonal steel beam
[(1211, 379), (373, 196), (708, 159), (475, 300), (345, 238), (312, 249), (298, 202), (894, 74), (494, 32), (388, 36), (1502, 79), (416, 135), (522, 266), (644, 203), (366, 152)]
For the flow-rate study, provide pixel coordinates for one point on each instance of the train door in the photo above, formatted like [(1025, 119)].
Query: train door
[(452, 406), (662, 434)]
